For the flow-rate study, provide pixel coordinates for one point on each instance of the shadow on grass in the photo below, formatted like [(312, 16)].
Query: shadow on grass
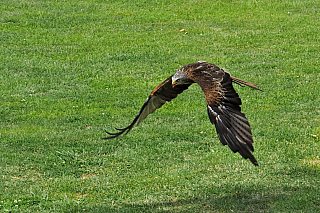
[(283, 196), (259, 202)]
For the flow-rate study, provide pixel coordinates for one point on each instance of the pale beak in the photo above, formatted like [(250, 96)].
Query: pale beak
[(174, 83)]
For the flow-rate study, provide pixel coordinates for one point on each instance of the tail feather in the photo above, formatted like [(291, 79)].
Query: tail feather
[(237, 80)]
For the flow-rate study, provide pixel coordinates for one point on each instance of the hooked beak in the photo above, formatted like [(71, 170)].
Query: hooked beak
[(174, 83)]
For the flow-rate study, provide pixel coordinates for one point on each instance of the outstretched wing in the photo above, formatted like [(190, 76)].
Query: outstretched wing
[(160, 95), (224, 111)]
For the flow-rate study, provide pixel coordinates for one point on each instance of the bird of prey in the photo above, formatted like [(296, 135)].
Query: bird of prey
[(223, 104)]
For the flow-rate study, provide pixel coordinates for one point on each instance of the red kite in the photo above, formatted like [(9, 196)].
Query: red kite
[(223, 104)]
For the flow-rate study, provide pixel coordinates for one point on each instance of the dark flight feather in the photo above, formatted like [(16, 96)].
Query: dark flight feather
[(160, 95)]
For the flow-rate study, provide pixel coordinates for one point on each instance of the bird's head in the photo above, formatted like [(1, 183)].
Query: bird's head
[(180, 78)]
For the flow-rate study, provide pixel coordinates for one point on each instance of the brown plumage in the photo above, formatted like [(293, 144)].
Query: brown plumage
[(223, 104)]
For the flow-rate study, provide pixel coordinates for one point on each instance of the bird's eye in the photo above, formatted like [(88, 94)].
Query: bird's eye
[(177, 80)]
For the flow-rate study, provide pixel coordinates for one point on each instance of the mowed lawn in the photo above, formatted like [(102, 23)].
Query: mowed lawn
[(71, 69)]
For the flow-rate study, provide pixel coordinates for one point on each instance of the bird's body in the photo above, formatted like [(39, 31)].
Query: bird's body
[(223, 104)]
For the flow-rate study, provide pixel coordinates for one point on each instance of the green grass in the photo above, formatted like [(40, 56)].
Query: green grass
[(71, 69)]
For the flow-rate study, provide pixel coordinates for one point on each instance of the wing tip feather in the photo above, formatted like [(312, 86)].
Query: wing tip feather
[(231, 132), (121, 131)]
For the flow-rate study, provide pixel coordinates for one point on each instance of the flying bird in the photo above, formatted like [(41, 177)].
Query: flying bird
[(223, 104)]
